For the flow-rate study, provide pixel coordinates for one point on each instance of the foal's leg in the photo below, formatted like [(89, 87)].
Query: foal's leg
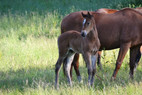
[(68, 67), (57, 68), (93, 58), (87, 58), (122, 52), (99, 60), (75, 63), (134, 59)]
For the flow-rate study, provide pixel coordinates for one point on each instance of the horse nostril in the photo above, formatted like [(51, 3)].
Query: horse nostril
[(82, 34)]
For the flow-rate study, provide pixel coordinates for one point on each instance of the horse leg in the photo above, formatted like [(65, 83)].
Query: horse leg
[(135, 55), (93, 58), (71, 70), (87, 58), (99, 60), (68, 67), (138, 57), (122, 52), (76, 66), (57, 68), (75, 63)]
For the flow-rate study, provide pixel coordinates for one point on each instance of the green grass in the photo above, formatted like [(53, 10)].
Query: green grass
[(27, 67), (28, 50)]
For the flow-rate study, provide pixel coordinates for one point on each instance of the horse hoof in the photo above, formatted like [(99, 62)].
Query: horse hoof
[(70, 85), (100, 67), (92, 84), (79, 79), (131, 76), (113, 78), (57, 87)]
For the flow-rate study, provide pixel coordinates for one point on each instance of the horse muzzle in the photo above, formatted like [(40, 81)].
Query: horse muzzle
[(83, 33)]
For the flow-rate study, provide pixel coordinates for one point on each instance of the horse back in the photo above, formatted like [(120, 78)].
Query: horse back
[(139, 9), (107, 11), (125, 26)]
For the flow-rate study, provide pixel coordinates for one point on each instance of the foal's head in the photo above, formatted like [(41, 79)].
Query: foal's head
[(88, 24)]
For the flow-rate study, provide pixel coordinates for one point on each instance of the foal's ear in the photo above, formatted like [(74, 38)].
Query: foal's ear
[(83, 14), (89, 15)]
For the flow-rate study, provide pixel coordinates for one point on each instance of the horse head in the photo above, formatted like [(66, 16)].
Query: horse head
[(88, 23)]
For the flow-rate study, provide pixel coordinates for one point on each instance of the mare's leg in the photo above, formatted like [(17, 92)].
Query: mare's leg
[(122, 52), (87, 58), (138, 55), (69, 60), (76, 66), (135, 55), (99, 60), (93, 58), (75, 63), (57, 68)]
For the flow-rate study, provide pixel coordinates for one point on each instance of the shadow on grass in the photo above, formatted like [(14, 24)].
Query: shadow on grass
[(22, 78), (35, 77)]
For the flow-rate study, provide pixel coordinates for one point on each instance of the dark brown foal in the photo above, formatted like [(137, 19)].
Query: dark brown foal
[(72, 42)]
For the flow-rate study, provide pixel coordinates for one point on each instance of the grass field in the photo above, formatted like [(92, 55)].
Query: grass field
[(28, 50)]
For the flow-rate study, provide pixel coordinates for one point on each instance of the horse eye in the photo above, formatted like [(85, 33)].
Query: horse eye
[(88, 23)]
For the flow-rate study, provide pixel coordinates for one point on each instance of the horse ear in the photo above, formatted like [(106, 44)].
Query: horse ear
[(89, 15), (83, 14)]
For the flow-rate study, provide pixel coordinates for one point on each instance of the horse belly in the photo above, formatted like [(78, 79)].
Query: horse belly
[(109, 45), (109, 38), (75, 45)]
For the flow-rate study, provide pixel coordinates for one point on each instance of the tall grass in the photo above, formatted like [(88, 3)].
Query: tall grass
[(27, 25), (42, 17), (28, 50), (27, 67)]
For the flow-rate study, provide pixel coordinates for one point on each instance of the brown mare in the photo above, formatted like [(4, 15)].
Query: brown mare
[(108, 11), (72, 42), (124, 27)]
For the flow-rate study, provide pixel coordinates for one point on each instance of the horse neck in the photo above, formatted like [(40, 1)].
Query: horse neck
[(92, 35), (97, 17)]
